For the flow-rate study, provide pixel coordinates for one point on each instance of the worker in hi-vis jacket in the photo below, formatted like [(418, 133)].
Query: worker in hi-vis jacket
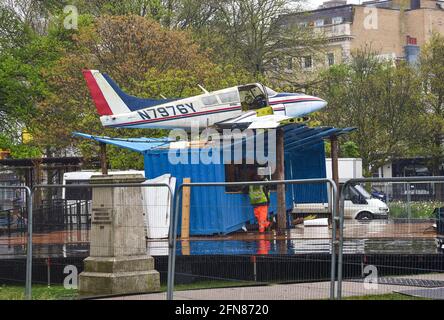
[(260, 199)]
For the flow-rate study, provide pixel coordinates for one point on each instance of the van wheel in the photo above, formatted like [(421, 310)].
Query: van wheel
[(364, 216)]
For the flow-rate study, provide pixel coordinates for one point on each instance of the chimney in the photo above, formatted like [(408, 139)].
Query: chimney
[(401, 4)]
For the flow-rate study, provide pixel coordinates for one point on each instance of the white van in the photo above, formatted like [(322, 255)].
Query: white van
[(358, 204), (84, 177), (156, 201)]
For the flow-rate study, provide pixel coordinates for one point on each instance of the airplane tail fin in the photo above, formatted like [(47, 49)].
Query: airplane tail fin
[(110, 99)]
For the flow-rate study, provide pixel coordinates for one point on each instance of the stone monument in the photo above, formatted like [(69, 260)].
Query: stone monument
[(118, 262)]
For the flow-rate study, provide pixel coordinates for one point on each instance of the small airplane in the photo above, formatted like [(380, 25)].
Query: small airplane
[(252, 106)]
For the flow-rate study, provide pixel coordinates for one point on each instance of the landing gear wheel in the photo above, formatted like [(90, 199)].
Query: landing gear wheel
[(364, 216)]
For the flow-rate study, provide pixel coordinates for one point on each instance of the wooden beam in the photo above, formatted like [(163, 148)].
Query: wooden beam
[(280, 175), (103, 159), (186, 199)]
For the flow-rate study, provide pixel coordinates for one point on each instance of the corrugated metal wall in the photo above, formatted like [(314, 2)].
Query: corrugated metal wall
[(213, 211), (306, 164)]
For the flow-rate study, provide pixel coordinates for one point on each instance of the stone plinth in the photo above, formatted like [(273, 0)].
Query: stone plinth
[(118, 263)]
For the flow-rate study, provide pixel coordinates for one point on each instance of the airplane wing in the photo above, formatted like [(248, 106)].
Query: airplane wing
[(267, 122), (252, 120)]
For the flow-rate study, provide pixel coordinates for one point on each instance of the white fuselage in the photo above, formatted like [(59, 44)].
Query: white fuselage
[(208, 109)]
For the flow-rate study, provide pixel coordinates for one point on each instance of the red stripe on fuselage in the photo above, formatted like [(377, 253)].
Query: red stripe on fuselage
[(99, 99)]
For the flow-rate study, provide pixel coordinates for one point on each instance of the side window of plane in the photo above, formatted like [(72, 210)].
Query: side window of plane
[(229, 97), (210, 101)]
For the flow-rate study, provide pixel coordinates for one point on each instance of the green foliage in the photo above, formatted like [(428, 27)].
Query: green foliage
[(387, 296), (39, 292), (124, 159), (349, 150), (19, 150), (379, 98), (22, 151), (418, 210), (167, 47), (427, 140)]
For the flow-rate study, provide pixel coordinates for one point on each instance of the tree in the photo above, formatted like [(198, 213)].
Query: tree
[(23, 55), (379, 98), (145, 8), (33, 14), (257, 35), (429, 136), (145, 58)]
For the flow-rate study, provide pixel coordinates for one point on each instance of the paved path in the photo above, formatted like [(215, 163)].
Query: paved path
[(300, 291)]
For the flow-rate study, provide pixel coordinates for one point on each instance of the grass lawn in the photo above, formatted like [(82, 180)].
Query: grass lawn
[(57, 292), (387, 296), (39, 292)]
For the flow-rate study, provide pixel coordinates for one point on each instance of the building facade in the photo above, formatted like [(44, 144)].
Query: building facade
[(395, 29)]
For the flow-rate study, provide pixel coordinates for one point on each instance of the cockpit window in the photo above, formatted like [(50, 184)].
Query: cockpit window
[(270, 92), (252, 97)]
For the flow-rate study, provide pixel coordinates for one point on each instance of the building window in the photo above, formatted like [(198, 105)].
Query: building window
[(275, 64), (337, 20), (290, 63), (330, 58), (307, 62), (319, 23)]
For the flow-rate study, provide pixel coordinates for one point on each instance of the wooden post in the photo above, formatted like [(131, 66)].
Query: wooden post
[(186, 250), (280, 175), (335, 166), (103, 158), (186, 199)]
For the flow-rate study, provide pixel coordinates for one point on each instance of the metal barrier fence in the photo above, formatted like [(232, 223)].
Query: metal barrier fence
[(387, 230), (59, 231), (363, 240), (235, 259), (20, 221)]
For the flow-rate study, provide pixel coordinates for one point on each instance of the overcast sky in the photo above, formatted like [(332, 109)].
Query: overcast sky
[(315, 3)]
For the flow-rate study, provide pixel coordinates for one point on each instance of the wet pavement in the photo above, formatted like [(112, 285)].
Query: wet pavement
[(360, 238), (296, 291)]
